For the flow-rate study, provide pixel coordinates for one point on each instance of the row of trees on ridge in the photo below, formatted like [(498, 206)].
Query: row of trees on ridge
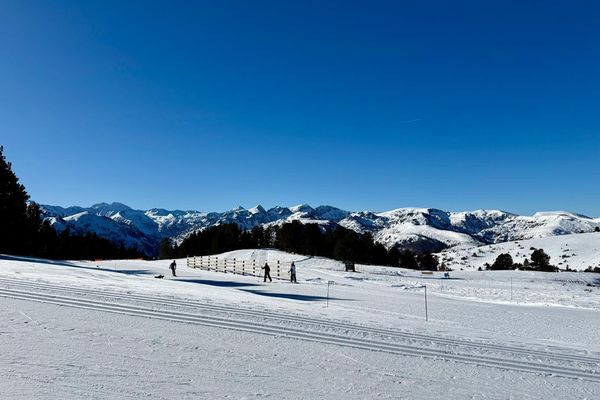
[(310, 239)]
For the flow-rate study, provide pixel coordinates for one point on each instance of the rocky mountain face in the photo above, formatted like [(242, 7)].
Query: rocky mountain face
[(418, 229)]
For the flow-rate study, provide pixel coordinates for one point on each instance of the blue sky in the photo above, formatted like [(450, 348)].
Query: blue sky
[(363, 105)]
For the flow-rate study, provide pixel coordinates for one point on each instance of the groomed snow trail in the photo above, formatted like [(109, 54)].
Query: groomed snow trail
[(493, 355)]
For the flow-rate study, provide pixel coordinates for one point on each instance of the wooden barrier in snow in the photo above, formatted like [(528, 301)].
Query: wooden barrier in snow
[(240, 267)]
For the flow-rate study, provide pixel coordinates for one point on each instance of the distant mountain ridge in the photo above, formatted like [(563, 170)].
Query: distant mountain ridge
[(419, 229)]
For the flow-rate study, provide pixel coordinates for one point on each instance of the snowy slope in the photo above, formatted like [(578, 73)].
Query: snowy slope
[(110, 330), (574, 251), (419, 229)]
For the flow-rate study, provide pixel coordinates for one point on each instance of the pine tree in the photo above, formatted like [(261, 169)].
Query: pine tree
[(408, 260), (345, 248), (393, 256), (166, 249), (428, 262), (503, 261), (14, 223), (541, 261)]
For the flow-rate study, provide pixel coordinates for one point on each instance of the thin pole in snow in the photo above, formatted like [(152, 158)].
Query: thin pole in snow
[(511, 289), (328, 283), (426, 316)]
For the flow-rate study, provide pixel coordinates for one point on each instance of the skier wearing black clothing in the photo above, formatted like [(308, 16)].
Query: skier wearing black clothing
[(267, 272), (293, 273), (172, 267)]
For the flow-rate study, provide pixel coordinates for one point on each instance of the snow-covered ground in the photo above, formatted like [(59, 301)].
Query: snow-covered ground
[(110, 330), (575, 251)]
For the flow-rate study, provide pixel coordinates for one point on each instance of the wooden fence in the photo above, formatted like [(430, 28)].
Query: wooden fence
[(279, 270)]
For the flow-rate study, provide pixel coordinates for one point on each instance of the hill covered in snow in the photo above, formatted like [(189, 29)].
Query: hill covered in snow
[(418, 229), (575, 251)]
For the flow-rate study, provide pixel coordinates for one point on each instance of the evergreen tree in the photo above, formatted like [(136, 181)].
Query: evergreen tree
[(428, 262), (165, 249), (14, 220), (503, 261), (408, 260), (393, 256), (345, 248), (541, 261), (379, 254)]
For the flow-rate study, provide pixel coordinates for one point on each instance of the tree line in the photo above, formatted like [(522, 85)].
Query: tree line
[(23, 231), (309, 239), (540, 261)]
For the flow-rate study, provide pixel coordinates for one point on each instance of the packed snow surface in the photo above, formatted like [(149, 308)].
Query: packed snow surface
[(111, 330)]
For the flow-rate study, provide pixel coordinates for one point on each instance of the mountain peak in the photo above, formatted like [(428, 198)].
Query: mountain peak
[(418, 229), (112, 207), (257, 210), (567, 214), (301, 208)]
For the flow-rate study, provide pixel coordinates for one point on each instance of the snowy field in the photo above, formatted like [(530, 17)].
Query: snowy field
[(110, 330), (576, 251)]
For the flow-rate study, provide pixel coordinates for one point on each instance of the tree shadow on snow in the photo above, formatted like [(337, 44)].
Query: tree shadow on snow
[(291, 296), (38, 260), (63, 263), (435, 278), (216, 283)]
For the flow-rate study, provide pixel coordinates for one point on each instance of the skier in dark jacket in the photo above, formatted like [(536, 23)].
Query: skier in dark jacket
[(293, 273), (172, 267), (267, 272)]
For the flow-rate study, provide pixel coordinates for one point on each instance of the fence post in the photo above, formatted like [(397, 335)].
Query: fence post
[(254, 267), (278, 272), (426, 316)]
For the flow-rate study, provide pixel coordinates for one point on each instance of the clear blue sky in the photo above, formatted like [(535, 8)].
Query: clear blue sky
[(362, 105)]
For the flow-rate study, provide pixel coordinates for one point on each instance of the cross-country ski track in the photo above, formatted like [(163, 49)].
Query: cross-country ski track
[(309, 329)]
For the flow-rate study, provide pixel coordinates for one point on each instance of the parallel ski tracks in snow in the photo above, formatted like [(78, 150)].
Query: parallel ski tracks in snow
[(311, 329), (321, 323)]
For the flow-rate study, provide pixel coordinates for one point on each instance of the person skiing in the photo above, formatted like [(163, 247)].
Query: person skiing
[(293, 273), (172, 267), (267, 272)]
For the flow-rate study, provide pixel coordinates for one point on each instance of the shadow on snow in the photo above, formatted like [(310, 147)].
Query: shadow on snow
[(216, 283), (63, 263), (291, 296)]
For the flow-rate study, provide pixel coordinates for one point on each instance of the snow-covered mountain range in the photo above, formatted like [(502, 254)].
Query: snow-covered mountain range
[(420, 229)]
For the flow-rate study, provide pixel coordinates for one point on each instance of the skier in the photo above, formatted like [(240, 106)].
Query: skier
[(293, 273), (267, 272), (172, 267)]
